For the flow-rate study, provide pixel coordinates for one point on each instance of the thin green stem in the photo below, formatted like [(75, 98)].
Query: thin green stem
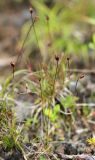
[(68, 63), (33, 22), (48, 27)]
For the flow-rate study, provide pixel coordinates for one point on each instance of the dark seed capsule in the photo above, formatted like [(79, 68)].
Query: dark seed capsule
[(81, 76), (56, 58), (12, 64), (47, 17), (31, 10), (68, 58)]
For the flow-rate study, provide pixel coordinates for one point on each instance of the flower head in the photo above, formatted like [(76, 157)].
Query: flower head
[(31, 10), (56, 58), (91, 141)]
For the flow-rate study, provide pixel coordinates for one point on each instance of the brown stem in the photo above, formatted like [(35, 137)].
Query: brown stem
[(21, 50), (57, 64), (76, 87)]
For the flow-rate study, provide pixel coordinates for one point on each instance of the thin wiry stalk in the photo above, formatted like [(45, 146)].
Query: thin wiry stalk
[(57, 64), (42, 125), (48, 27), (21, 50), (50, 102), (76, 87), (33, 22), (13, 72), (68, 63), (80, 77), (13, 67), (48, 125), (42, 113)]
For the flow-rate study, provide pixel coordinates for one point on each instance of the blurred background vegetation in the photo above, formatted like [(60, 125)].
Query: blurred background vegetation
[(62, 27)]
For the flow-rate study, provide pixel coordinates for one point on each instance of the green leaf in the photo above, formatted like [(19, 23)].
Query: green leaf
[(56, 108), (48, 112), (42, 157), (29, 122), (69, 101)]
